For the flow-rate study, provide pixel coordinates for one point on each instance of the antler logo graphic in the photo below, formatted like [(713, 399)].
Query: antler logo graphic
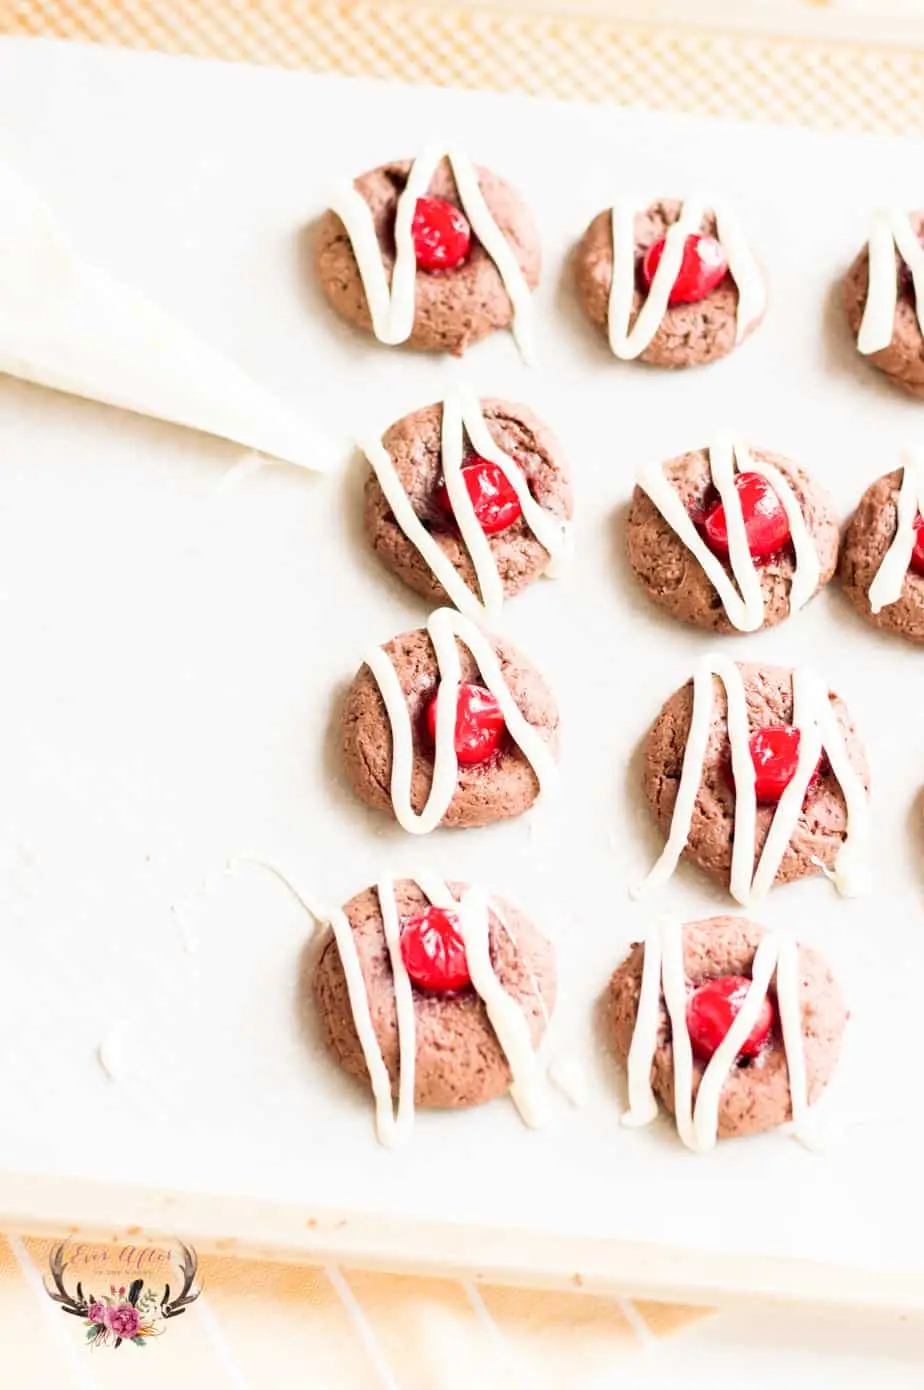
[(172, 1308), (127, 1313)]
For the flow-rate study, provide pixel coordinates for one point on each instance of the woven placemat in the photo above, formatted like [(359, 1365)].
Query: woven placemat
[(826, 84)]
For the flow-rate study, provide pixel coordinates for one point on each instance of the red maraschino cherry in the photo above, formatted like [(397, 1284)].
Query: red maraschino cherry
[(766, 524), (494, 500), (917, 554), (703, 267), (441, 234), (479, 724), (433, 951), (775, 755), (712, 1009)]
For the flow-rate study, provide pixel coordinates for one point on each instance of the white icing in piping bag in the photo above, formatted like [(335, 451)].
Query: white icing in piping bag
[(69, 325)]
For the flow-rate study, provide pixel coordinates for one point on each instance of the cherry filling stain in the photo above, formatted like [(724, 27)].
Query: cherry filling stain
[(766, 524), (917, 553), (494, 501), (433, 951), (479, 724), (714, 1006), (703, 267), (441, 234), (905, 282)]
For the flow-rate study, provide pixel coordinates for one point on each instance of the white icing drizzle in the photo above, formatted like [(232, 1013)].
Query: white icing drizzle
[(391, 1128), (627, 343), (110, 1053), (247, 465), (891, 230), (462, 414), (787, 999), (569, 1077), (404, 1003), (507, 1018), (527, 1089), (564, 1071), (663, 968), (444, 627), (819, 731), (744, 605), (391, 308), (889, 579)]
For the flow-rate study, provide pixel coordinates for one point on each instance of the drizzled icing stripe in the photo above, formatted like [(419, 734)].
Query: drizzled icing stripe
[(506, 1017), (462, 415), (889, 579), (891, 230), (819, 732), (444, 627), (627, 343), (663, 968), (391, 1127), (744, 605), (404, 1003), (391, 308)]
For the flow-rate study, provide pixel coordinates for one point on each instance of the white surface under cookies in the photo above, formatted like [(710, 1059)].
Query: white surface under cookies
[(174, 655)]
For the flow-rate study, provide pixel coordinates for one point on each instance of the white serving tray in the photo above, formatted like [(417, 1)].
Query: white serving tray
[(173, 657)]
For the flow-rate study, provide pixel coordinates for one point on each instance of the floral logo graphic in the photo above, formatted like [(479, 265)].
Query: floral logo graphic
[(133, 1312), (123, 1316)]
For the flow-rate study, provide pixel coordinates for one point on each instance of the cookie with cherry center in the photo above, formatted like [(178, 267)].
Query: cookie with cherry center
[(459, 293), (496, 769), (705, 309), (413, 452), (718, 957), (459, 1060), (819, 827), (673, 576), (884, 313), (872, 542)]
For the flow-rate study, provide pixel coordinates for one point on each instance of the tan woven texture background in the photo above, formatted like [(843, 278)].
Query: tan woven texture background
[(564, 54)]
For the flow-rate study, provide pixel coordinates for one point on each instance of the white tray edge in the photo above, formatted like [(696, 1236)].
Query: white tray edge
[(46, 1206)]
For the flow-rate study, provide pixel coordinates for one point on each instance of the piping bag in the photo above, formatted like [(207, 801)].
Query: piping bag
[(69, 325)]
